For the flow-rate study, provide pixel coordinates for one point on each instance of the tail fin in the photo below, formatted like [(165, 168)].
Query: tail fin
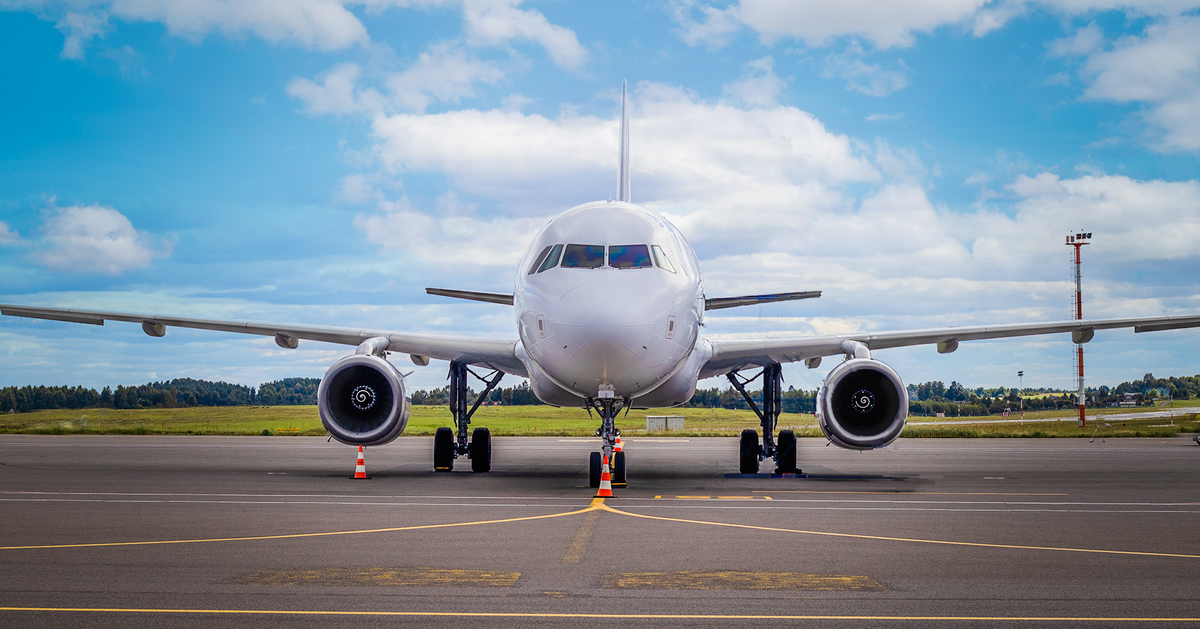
[(623, 193)]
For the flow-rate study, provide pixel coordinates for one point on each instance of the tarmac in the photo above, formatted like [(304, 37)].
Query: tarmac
[(133, 531)]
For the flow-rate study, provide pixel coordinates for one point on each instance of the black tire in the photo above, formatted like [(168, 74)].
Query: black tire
[(748, 452), (618, 468), (481, 450), (443, 450), (785, 459), (594, 470)]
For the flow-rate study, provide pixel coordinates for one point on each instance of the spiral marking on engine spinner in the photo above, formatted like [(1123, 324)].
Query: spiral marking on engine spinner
[(363, 397), (863, 401)]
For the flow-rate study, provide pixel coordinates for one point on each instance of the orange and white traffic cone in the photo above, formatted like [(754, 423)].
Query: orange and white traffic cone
[(617, 448), (605, 481), (360, 471)]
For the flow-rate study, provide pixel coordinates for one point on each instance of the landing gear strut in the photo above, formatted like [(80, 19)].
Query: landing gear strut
[(750, 452), (608, 406), (447, 445)]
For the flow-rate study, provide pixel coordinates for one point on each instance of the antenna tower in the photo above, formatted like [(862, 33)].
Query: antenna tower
[(1078, 240)]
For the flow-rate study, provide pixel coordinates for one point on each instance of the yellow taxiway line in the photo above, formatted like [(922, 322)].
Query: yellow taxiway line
[(599, 504)]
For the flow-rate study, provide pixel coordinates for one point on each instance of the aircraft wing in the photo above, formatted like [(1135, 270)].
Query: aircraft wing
[(737, 353), (492, 353)]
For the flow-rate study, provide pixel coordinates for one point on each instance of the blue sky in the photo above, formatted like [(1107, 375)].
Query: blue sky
[(322, 162)]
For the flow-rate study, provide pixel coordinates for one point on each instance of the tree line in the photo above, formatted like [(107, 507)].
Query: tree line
[(927, 398)]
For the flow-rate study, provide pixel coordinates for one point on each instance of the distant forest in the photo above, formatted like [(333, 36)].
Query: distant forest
[(928, 398)]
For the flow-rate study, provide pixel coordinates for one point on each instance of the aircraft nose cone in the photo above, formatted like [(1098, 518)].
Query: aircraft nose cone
[(606, 336)]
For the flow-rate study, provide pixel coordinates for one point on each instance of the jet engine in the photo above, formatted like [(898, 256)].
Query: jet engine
[(862, 404), (362, 401)]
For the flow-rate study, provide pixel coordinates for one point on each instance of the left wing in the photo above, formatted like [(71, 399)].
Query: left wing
[(493, 353), (735, 354)]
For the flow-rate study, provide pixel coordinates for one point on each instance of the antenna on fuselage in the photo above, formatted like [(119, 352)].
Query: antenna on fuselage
[(623, 192)]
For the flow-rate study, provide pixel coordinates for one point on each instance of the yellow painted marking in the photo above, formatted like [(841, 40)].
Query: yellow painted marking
[(902, 539), (739, 580), (393, 577), (575, 552), (595, 505), (307, 612), (905, 493)]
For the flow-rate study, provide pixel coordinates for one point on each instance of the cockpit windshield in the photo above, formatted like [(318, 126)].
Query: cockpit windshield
[(629, 256), (583, 256)]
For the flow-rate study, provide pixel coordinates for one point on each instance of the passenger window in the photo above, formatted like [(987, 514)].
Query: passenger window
[(660, 258), (629, 256), (583, 256), (552, 259), (537, 263)]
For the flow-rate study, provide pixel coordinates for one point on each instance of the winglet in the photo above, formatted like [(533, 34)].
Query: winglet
[(623, 193)]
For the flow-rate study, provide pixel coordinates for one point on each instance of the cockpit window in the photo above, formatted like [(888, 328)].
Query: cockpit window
[(661, 259), (552, 259), (583, 256), (538, 262), (629, 256)]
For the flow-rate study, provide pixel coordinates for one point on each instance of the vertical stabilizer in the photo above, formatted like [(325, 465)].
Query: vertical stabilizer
[(623, 170)]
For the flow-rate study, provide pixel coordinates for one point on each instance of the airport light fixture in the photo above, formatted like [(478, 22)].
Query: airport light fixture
[(1078, 240), (1021, 392)]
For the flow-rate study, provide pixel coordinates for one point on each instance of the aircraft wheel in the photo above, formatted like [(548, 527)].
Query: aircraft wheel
[(748, 451), (618, 468), (443, 450), (785, 460), (594, 470), (481, 450)]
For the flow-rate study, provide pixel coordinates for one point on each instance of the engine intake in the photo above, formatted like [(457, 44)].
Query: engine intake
[(862, 404), (362, 401)]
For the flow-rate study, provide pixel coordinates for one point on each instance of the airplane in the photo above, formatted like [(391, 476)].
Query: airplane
[(609, 304)]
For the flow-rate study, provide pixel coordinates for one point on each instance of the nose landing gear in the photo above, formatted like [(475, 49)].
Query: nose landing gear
[(447, 445), (749, 451), (608, 406)]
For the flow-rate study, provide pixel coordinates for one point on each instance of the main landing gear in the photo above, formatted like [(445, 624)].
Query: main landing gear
[(448, 446), (608, 406), (750, 451)]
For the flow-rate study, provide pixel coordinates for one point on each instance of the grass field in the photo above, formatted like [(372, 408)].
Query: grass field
[(549, 421)]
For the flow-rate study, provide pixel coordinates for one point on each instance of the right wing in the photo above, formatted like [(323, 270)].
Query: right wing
[(733, 354), (493, 353)]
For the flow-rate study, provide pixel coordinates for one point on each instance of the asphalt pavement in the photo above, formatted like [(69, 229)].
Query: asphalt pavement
[(152, 531)]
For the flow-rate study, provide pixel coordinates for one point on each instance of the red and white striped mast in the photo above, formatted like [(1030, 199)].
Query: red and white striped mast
[(1078, 240)]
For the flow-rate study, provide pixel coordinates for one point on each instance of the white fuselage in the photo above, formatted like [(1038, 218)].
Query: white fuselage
[(609, 295)]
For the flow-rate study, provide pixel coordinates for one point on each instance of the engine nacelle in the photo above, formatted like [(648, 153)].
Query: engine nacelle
[(363, 401), (862, 404)]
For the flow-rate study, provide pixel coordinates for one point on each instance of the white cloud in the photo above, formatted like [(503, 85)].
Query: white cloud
[(864, 78), (128, 60), (897, 117), (759, 86), (714, 29), (7, 235), (884, 24), (79, 29), (1085, 41), (443, 74), (321, 24), (335, 94), (497, 22), (505, 155), (1161, 69), (96, 239)]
